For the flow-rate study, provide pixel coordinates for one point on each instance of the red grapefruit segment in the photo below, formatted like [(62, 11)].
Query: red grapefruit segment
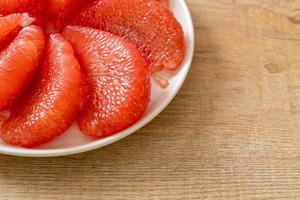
[(52, 102), (118, 80), (18, 62), (149, 25)]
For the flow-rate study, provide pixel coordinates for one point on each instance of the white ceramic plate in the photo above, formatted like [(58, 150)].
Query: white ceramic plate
[(73, 141)]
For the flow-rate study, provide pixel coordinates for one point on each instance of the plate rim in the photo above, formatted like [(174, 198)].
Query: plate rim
[(14, 151)]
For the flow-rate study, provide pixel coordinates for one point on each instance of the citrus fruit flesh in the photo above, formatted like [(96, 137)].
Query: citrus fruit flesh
[(60, 11), (164, 2), (149, 25), (34, 7), (18, 62), (10, 26), (118, 80), (95, 68), (11, 22), (52, 102)]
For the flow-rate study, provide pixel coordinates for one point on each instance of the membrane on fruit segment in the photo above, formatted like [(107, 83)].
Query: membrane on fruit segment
[(118, 80), (18, 62), (10, 22), (33, 7), (52, 102), (147, 24), (10, 25)]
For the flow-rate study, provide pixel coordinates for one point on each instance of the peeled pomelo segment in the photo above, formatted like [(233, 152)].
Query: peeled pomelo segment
[(118, 80), (18, 62), (10, 25), (52, 102), (149, 25), (33, 7)]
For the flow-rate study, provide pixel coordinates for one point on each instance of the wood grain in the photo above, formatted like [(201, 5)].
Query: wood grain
[(232, 132)]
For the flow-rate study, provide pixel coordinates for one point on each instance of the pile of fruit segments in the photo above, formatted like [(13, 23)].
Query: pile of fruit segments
[(88, 61)]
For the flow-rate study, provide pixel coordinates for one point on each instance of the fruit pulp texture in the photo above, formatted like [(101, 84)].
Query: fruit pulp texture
[(18, 63), (60, 11), (2, 119), (34, 7), (51, 104), (164, 2), (118, 80), (10, 26), (149, 25)]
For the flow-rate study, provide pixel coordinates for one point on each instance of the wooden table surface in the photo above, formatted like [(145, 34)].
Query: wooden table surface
[(233, 131)]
